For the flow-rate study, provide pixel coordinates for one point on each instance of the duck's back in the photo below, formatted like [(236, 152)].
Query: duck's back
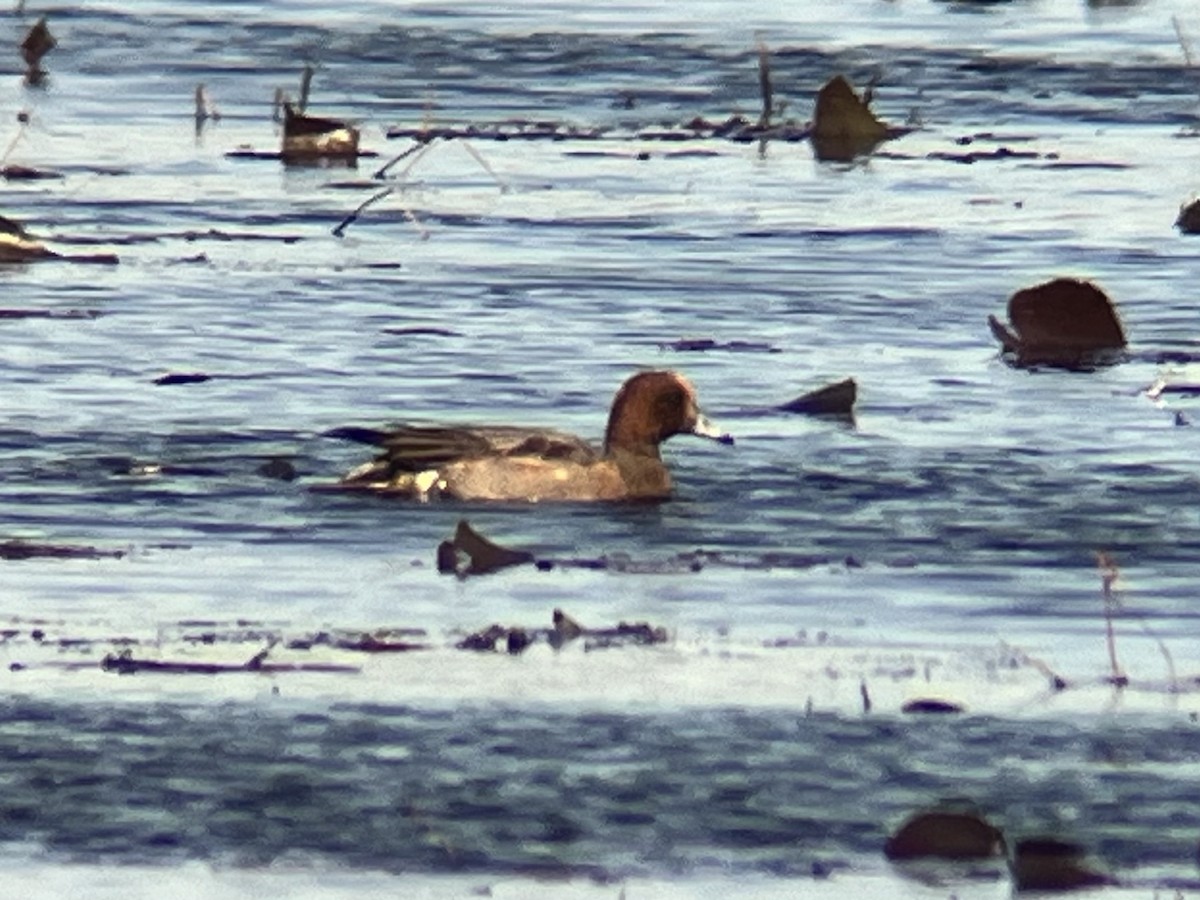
[(410, 449)]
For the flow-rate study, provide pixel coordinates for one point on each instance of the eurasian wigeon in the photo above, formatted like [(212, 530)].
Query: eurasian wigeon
[(525, 464)]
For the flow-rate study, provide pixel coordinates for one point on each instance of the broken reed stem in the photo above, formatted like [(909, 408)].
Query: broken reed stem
[(382, 170), (1184, 43), (484, 163), (1108, 576), (305, 84), (340, 230), (764, 84), (23, 123)]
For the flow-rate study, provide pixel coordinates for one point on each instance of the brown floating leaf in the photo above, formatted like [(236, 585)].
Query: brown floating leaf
[(38, 42), (483, 555), (1050, 864), (835, 399), (946, 835), (1063, 322), (843, 126)]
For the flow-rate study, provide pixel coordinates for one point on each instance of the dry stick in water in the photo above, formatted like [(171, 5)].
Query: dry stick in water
[(1108, 576), (305, 85), (1184, 43), (420, 150), (764, 83), (382, 170), (484, 163), (23, 121)]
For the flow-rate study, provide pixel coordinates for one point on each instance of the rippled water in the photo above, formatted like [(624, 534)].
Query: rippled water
[(942, 544)]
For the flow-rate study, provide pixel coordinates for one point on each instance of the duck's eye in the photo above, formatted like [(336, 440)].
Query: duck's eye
[(670, 405)]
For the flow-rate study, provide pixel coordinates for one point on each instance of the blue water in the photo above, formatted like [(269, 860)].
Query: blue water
[(954, 524)]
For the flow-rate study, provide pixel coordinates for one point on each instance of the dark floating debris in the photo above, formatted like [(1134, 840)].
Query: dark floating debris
[(18, 245), (703, 345), (422, 331), (564, 630), (18, 550), (844, 126), (1050, 864), (1181, 389), (38, 42), (26, 173), (835, 399), (308, 139), (1064, 323), (278, 468), (973, 156), (945, 834), (172, 378), (1188, 220), (482, 556), (50, 313), (124, 663), (926, 706), (369, 643)]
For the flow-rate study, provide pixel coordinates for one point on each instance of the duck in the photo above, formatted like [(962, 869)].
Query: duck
[(511, 463)]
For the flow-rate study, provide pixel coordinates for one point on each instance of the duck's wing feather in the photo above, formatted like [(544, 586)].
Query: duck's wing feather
[(417, 448)]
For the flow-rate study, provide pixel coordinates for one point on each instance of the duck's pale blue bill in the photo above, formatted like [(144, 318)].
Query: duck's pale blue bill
[(704, 427)]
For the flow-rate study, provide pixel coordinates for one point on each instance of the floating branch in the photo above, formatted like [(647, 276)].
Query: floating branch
[(19, 550), (124, 663)]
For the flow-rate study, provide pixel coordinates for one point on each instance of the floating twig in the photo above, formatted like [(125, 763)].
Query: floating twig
[(764, 84), (305, 85), (1184, 43), (22, 124), (340, 229), (382, 170), (1108, 577), (487, 168), (124, 663), (205, 108)]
